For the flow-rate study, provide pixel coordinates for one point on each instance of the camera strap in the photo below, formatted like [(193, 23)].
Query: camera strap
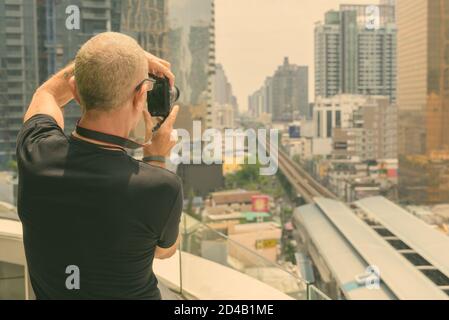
[(107, 138)]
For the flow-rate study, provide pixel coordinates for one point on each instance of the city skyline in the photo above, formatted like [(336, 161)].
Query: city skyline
[(250, 52)]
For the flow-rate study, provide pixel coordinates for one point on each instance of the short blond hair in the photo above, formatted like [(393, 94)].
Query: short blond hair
[(105, 68)]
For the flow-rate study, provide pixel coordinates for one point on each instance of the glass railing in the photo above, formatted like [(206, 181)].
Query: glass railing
[(234, 270), (316, 294), (208, 265), (12, 281)]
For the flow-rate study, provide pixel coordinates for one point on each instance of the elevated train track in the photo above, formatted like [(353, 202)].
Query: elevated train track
[(303, 183)]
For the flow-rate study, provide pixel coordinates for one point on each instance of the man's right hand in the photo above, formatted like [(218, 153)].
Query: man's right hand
[(162, 141)]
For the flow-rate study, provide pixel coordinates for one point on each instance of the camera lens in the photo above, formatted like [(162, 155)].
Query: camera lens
[(174, 95)]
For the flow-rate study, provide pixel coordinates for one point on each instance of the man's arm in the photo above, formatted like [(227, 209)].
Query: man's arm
[(52, 96), (165, 253), (170, 236)]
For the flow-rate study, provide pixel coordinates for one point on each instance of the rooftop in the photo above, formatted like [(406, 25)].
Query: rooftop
[(343, 260), (349, 245), (421, 239), (401, 277), (233, 196)]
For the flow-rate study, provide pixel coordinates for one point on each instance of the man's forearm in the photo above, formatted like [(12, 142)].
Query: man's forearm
[(54, 94), (58, 85)]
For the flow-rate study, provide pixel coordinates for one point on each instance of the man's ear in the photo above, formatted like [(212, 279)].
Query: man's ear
[(140, 97), (73, 89)]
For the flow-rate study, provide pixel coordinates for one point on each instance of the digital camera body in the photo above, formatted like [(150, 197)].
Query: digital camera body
[(161, 99)]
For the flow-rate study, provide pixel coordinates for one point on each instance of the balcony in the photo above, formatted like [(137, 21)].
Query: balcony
[(96, 4), (191, 274)]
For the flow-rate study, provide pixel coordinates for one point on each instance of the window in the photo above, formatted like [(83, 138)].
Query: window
[(338, 119), (329, 124), (318, 123)]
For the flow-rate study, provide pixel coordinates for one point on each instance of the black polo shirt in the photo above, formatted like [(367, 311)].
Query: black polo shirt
[(96, 210)]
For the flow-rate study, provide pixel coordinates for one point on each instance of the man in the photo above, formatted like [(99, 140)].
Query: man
[(93, 217)]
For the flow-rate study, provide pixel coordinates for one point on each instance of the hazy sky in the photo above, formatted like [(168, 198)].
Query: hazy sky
[(254, 36)]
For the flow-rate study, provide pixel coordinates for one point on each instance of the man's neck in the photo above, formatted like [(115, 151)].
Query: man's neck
[(104, 123), (112, 124)]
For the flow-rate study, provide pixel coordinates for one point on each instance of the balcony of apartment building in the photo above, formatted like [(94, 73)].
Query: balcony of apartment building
[(105, 4), (208, 265)]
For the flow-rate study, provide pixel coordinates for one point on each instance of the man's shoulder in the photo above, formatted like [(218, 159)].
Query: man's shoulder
[(41, 121), (40, 141), (159, 176), (38, 128)]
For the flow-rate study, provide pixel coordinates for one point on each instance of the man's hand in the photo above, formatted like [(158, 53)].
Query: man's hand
[(162, 142), (160, 68)]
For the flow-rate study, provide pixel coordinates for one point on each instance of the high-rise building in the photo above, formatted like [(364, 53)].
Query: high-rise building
[(354, 54), (18, 69), (285, 95), (256, 103), (146, 21), (423, 100), (290, 91), (191, 52), (223, 93), (327, 56), (261, 101), (225, 108)]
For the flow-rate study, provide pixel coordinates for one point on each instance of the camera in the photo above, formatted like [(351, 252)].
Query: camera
[(161, 99)]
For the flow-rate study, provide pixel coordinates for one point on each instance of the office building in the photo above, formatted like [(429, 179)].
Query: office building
[(191, 52), (290, 91), (371, 134), (223, 93), (335, 112), (18, 69), (146, 21), (354, 56), (256, 104), (285, 95), (423, 101), (327, 56)]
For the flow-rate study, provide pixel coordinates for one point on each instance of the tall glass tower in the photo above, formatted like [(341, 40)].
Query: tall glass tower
[(423, 100), (191, 51)]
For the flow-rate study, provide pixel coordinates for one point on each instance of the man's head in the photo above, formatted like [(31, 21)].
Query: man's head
[(108, 68)]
